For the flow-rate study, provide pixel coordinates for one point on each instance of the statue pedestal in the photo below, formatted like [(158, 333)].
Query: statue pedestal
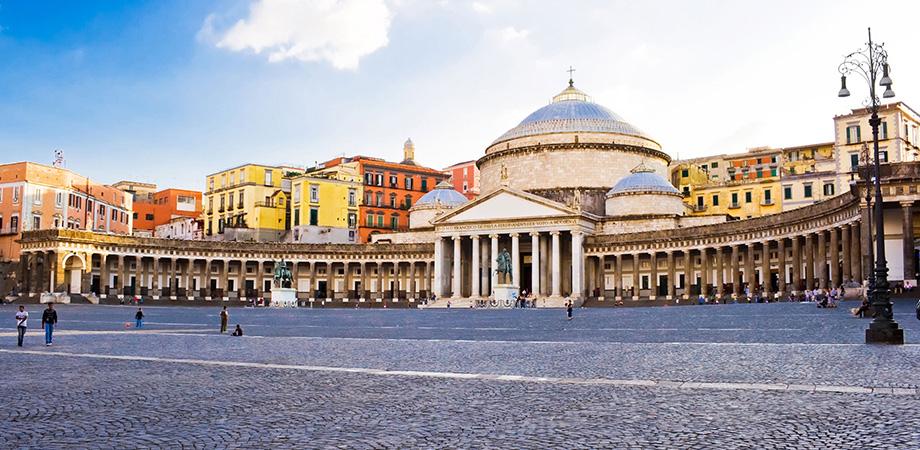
[(505, 295), (284, 297)]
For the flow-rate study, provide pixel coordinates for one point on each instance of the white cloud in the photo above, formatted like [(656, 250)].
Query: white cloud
[(509, 34), (338, 31), (481, 8)]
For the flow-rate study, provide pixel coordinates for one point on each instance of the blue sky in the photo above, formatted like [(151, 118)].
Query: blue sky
[(169, 91)]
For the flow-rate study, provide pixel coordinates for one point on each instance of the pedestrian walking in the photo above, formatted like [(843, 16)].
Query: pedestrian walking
[(22, 321), (139, 318), (49, 320), (568, 309), (224, 318)]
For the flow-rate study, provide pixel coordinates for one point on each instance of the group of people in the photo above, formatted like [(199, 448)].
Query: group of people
[(49, 320)]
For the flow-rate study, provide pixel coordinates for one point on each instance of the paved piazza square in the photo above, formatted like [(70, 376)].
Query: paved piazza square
[(782, 375)]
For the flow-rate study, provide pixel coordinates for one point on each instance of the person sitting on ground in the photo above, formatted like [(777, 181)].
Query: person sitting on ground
[(862, 310), (238, 331)]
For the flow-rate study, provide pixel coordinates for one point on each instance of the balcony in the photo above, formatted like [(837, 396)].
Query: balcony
[(698, 208), (734, 206), (8, 231), (268, 205), (768, 202), (221, 209)]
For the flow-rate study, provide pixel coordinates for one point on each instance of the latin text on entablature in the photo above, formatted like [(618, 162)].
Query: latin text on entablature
[(507, 225)]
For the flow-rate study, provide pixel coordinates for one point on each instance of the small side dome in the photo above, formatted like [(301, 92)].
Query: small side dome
[(443, 194), (643, 180)]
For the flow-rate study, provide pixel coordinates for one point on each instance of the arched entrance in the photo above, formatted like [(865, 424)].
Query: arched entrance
[(73, 273)]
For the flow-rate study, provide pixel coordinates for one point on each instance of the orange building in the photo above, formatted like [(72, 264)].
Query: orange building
[(152, 209), (36, 197), (390, 189), (465, 178)]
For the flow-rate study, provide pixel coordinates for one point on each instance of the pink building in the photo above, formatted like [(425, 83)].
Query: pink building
[(465, 178)]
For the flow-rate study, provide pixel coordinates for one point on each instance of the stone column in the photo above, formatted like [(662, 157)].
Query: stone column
[(155, 282), (736, 282), (809, 261), (618, 276), (456, 279), (847, 261), (578, 263), (765, 270), (413, 281), (637, 285), (653, 275), (438, 289), (796, 264), (689, 273), (515, 260), (138, 274), (330, 281), (834, 258), (557, 265), (720, 272), (174, 275), (260, 282), (672, 276), (821, 260), (705, 272), (535, 264), (907, 227), (103, 275), (381, 290), (855, 255), (749, 275), (485, 268), (493, 263), (781, 267), (189, 270), (474, 273), (429, 268)]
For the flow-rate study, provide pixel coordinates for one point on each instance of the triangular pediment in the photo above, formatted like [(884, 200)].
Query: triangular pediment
[(506, 204)]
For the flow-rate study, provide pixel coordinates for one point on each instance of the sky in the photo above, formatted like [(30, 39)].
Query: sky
[(168, 91)]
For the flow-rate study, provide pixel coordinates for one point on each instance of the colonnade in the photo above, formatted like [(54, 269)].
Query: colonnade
[(218, 278), (465, 264), (819, 259)]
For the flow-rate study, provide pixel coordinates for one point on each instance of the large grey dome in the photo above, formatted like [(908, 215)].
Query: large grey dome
[(571, 111), (443, 194), (643, 181)]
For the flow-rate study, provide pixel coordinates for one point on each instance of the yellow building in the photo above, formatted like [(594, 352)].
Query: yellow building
[(743, 185), (248, 202), (324, 204)]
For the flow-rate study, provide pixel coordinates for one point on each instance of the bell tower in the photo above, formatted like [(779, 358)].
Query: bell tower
[(408, 152)]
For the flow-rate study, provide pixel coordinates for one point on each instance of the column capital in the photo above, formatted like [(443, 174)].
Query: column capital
[(906, 203), (493, 236), (515, 235), (534, 233), (475, 237), (456, 237), (554, 233), (577, 233)]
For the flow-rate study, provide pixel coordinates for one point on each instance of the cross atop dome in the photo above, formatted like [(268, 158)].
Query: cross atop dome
[(571, 92)]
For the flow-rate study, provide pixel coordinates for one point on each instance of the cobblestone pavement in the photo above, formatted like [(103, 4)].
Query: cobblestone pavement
[(730, 376)]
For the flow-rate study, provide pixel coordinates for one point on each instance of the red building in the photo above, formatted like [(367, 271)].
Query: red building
[(465, 178), (390, 189), (152, 209)]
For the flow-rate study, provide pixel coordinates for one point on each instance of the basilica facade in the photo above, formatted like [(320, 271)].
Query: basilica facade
[(577, 196)]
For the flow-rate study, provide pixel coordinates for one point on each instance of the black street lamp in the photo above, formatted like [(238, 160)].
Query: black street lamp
[(866, 157), (868, 62)]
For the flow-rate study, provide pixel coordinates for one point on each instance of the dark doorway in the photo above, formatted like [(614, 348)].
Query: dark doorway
[(320, 290), (526, 282), (662, 285)]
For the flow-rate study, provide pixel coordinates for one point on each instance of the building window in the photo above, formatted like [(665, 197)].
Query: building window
[(148, 216), (408, 183), (714, 165), (807, 193), (734, 198), (787, 192), (829, 189), (424, 185), (392, 200), (296, 217), (394, 181), (15, 194), (14, 224), (352, 220), (699, 201), (368, 198), (230, 200), (59, 199), (240, 205), (684, 173), (314, 193), (379, 177), (884, 130), (314, 216), (882, 156), (370, 219), (134, 216), (368, 178), (379, 199), (268, 177), (295, 190), (221, 203), (380, 220), (854, 161), (686, 190), (36, 222), (773, 172), (465, 187), (352, 197), (394, 222), (211, 184), (408, 201), (748, 197), (715, 200), (854, 134), (768, 196)]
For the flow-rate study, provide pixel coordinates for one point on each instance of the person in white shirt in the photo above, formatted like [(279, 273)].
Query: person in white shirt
[(22, 319)]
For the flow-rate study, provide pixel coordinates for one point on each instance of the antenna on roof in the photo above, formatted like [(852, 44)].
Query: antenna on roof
[(58, 158)]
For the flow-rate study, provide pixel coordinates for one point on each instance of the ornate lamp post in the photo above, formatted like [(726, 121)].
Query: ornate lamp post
[(870, 62), (866, 158)]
